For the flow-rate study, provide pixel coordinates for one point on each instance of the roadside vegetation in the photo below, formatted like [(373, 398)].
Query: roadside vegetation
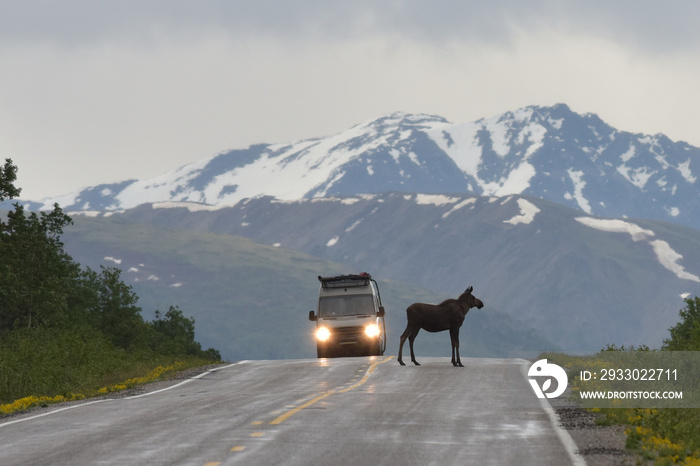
[(69, 332), (665, 436)]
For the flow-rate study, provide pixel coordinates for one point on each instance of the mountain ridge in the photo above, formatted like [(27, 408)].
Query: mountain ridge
[(251, 300), (581, 280), (548, 152)]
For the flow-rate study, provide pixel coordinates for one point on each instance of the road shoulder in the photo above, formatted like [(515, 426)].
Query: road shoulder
[(599, 445)]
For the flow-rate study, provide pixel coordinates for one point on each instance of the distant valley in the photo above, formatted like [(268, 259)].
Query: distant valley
[(576, 282), (251, 300)]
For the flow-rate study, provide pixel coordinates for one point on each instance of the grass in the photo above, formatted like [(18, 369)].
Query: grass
[(45, 366), (666, 436), (156, 374)]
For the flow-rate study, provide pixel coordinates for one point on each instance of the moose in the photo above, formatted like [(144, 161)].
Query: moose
[(448, 315)]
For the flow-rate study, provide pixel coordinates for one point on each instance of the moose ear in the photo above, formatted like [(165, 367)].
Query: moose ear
[(470, 289)]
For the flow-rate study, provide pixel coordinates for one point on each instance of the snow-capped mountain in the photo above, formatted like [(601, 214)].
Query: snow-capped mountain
[(548, 152)]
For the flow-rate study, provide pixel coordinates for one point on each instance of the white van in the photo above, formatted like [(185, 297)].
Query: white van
[(350, 320)]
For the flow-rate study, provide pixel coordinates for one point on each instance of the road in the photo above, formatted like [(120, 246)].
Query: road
[(306, 412)]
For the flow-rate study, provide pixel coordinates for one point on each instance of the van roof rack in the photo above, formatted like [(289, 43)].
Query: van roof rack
[(345, 281)]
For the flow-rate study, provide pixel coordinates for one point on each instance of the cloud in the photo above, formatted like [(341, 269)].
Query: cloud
[(652, 25), (133, 89)]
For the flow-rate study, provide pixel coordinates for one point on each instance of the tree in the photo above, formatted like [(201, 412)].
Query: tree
[(8, 176), (685, 335), (35, 272), (174, 335), (174, 324), (36, 275), (41, 286), (115, 312)]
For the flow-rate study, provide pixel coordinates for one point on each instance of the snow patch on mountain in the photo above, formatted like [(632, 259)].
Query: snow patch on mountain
[(353, 226), (616, 226), (461, 143), (528, 210), (515, 182), (684, 170), (164, 187), (669, 259), (88, 213), (284, 172), (191, 206), (534, 134), (343, 200), (66, 200), (470, 201), (673, 211), (636, 176), (666, 255), (499, 135), (435, 199), (576, 177)]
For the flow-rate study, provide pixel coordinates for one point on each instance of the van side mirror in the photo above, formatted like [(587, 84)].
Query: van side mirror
[(381, 312), (312, 316)]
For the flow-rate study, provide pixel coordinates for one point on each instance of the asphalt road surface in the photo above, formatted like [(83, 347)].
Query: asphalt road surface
[(360, 411)]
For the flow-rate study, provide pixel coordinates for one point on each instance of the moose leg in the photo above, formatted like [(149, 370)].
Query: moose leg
[(404, 335), (412, 337), (454, 337)]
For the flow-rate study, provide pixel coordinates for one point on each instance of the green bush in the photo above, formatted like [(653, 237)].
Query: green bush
[(666, 436), (51, 362), (685, 335), (66, 330)]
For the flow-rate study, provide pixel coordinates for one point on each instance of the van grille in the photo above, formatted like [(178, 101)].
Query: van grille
[(348, 335)]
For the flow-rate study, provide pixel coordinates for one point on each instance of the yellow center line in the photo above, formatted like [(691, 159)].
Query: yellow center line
[(292, 412), (366, 376)]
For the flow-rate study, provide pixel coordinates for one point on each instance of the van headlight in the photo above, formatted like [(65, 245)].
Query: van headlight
[(323, 334), (372, 330)]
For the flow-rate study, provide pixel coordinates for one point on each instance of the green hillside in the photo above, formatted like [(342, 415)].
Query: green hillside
[(251, 301), (581, 287)]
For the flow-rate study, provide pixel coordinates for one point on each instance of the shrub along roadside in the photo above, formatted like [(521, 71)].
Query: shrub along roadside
[(67, 332), (68, 364), (666, 436)]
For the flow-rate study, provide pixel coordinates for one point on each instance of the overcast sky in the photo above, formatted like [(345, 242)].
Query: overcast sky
[(101, 91)]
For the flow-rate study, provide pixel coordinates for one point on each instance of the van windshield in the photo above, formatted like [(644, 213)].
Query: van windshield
[(339, 306)]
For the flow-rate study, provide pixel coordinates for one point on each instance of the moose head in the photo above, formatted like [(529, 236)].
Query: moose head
[(470, 300)]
